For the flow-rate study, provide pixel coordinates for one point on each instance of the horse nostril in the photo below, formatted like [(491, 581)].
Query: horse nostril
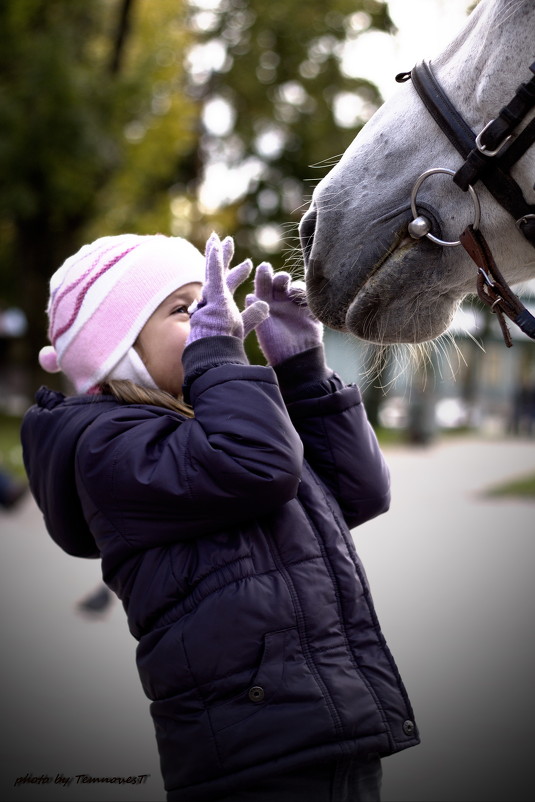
[(307, 228)]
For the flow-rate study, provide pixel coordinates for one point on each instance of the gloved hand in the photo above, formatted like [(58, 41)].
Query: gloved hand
[(291, 327), (217, 313)]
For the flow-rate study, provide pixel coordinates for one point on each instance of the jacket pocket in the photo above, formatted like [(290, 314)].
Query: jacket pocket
[(263, 688), (280, 710)]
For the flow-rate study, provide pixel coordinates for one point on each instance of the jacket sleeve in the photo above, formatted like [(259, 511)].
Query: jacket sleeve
[(238, 458), (340, 444)]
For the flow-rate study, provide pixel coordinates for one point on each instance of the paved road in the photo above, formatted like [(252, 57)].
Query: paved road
[(452, 576)]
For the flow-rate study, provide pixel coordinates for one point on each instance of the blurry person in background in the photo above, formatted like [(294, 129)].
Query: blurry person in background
[(13, 324)]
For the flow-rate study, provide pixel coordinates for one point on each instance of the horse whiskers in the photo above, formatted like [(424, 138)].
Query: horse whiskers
[(303, 207), (450, 337), (507, 12), (293, 259), (374, 362), (424, 361), (386, 363), (330, 161), (337, 195)]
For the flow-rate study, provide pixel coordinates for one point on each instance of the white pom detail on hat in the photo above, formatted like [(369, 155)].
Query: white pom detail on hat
[(48, 359)]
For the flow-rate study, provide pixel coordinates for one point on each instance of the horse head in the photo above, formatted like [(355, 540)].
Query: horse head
[(365, 273)]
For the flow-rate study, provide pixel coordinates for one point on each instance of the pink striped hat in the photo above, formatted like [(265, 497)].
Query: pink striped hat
[(101, 298)]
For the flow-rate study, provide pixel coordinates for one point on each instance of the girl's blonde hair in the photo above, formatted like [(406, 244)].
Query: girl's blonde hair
[(129, 393)]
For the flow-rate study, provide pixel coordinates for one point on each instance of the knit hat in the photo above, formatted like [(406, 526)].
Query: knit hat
[(101, 298)]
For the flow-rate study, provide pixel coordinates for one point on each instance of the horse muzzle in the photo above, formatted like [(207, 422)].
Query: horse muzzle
[(337, 270)]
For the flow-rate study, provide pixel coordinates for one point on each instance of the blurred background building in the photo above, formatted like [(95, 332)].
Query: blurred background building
[(468, 380)]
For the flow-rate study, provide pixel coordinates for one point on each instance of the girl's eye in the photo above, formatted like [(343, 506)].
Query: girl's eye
[(180, 310)]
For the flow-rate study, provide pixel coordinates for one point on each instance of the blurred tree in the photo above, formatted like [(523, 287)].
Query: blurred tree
[(277, 108), (75, 100), (177, 116)]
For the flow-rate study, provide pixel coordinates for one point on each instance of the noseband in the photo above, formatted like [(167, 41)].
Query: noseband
[(488, 157)]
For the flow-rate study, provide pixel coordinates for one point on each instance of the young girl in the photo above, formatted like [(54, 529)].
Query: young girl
[(218, 495)]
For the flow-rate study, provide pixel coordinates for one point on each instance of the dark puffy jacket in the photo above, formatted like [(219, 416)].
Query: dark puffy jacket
[(226, 537)]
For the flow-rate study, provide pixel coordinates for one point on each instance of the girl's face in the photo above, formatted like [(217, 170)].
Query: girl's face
[(162, 339)]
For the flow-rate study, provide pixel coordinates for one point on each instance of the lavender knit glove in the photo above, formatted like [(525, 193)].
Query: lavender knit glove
[(217, 313), (291, 327)]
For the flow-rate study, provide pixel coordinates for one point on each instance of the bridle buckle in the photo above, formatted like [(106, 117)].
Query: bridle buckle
[(483, 148)]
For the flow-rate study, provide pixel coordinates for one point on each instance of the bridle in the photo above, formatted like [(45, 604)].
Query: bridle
[(488, 157)]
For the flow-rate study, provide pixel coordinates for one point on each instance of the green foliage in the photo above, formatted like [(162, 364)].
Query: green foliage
[(280, 77), (58, 141), (117, 114), (66, 115), (523, 487), (159, 130), (78, 83), (10, 447)]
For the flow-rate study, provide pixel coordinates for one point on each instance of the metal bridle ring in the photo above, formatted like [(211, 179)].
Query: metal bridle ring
[(475, 199)]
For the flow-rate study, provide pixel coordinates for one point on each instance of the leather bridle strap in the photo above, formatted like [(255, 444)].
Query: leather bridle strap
[(493, 289), (488, 157), (493, 136), (440, 107)]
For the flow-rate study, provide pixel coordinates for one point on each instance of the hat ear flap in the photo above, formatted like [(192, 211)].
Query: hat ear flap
[(48, 359)]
